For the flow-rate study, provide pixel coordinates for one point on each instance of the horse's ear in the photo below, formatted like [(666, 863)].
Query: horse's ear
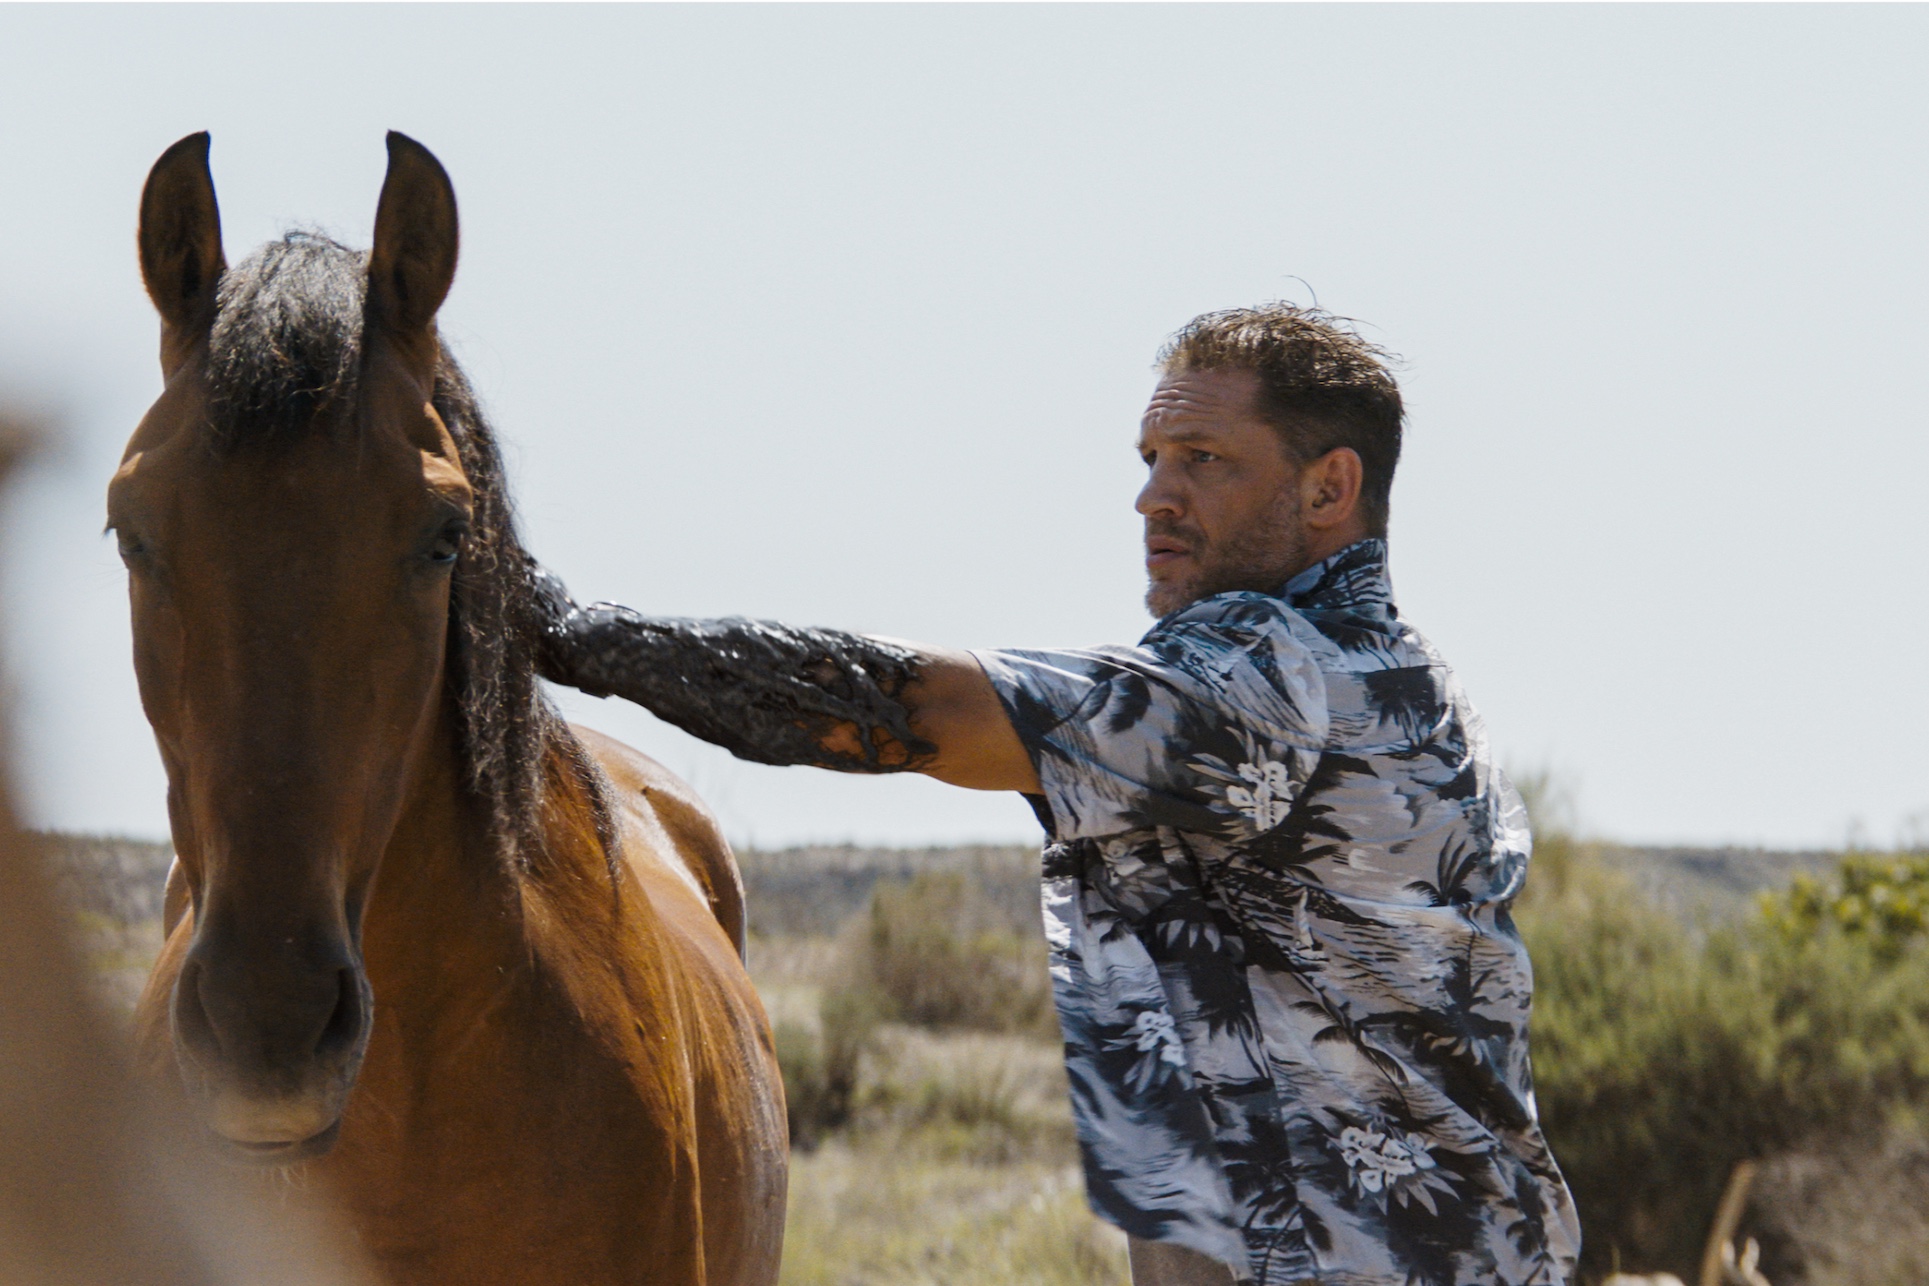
[(413, 261), (180, 238)]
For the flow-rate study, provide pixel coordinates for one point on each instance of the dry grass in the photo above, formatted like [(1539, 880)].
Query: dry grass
[(864, 1214), (958, 1168), (935, 953), (942, 1157), (1850, 1216)]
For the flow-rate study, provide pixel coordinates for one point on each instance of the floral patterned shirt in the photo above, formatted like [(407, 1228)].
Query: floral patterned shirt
[(1277, 881)]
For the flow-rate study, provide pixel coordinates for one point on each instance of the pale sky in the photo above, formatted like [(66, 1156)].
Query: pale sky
[(845, 316)]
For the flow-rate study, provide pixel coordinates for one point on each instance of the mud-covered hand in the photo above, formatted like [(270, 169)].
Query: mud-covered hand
[(560, 624), (770, 693)]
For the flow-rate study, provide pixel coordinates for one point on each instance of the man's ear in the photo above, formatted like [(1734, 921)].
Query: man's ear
[(180, 239), (1329, 492), (413, 261)]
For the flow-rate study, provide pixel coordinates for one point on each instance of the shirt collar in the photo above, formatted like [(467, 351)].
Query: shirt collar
[(1355, 578)]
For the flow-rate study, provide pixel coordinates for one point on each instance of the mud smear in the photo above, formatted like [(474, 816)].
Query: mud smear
[(769, 693)]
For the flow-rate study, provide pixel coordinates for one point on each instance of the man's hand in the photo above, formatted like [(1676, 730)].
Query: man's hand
[(556, 615)]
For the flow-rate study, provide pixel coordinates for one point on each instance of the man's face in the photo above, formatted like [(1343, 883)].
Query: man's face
[(1222, 504)]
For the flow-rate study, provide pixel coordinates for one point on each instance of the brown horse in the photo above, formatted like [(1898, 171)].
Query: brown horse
[(475, 976)]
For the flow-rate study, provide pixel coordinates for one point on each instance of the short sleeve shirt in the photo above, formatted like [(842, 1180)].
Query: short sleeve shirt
[(1277, 882)]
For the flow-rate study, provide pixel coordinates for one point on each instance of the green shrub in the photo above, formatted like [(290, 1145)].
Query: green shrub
[(821, 1066), (933, 952), (1666, 1052), (938, 953), (1882, 900)]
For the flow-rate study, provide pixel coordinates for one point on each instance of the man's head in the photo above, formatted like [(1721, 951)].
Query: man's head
[(1271, 440)]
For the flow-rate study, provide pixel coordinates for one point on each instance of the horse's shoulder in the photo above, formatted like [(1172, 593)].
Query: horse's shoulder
[(660, 815)]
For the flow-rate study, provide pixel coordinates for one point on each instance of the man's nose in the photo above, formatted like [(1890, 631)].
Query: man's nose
[(1159, 498)]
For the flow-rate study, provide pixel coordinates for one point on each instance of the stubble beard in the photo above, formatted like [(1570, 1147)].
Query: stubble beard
[(1262, 557)]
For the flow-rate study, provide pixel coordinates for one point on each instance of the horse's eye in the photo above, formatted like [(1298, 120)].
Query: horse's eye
[(131, 546), (448, 544)]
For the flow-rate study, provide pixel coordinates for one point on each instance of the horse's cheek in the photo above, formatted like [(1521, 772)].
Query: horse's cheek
[(159, 657)]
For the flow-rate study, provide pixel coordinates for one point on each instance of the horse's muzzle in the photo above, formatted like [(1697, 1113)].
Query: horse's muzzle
[(270, 1051)]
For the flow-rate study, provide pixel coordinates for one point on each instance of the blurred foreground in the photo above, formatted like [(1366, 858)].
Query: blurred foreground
[(1694, 1009)]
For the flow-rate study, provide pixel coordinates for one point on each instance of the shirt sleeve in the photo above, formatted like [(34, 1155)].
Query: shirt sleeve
[(1213, 723)]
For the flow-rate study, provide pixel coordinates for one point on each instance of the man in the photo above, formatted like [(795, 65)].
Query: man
[(1279, 858)]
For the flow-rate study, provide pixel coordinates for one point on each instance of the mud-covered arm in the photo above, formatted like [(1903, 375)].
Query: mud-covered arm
[(779, 694)]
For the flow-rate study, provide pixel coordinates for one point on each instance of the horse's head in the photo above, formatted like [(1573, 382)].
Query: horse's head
[(291, 511)]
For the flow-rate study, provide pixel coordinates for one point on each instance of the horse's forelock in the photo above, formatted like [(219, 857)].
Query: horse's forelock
[(286, 347)]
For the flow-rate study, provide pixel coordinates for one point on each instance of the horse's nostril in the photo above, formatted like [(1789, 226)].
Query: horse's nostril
[(344, 1028), (192, 1025)]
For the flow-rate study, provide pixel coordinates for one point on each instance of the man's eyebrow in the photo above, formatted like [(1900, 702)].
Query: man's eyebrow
[(1179, 434)]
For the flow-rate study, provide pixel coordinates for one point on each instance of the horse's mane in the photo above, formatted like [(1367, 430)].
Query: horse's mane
[(285, 358)]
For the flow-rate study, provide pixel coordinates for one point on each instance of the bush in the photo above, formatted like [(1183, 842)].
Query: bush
[(1665, 1052), (821, 1066), (1882, 901), (934, 952), (939, 954)]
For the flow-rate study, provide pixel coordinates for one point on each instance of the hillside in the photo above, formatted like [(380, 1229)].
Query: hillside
[(814, 890)]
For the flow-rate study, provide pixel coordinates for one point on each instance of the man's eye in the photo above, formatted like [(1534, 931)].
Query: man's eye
[(1203, 457)]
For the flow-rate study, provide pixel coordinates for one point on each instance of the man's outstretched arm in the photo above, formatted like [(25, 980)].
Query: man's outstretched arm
[(777, 694)]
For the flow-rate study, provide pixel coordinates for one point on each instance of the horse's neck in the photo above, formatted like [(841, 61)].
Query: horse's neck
[(449, 928), (444, 914)]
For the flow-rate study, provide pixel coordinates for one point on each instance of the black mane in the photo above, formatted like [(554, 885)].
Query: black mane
[(285, 358)]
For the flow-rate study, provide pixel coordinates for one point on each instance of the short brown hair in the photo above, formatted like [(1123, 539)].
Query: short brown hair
[(1320, 384)]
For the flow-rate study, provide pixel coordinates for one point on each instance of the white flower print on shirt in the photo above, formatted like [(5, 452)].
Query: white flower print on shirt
[(1398, 1164), (1155, 1030), (1378, 1158), (1262, 787), (1161, 1051), (1270, 796)]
